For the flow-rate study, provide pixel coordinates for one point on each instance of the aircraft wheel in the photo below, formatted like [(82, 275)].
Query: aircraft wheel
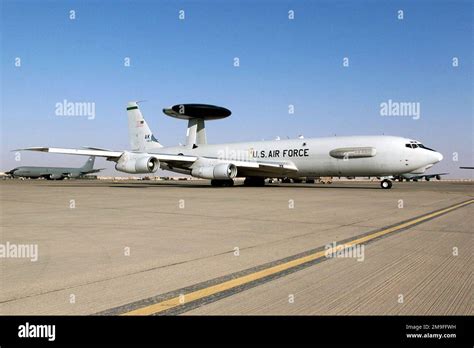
[(386, 184)]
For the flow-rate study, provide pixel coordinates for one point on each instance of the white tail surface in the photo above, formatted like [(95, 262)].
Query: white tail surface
[(140, 135)]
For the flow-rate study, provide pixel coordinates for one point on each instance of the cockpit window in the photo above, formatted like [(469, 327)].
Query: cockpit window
[(424, 147), (414, 146)]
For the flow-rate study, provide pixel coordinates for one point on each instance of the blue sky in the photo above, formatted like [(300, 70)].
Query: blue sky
[(282, 62)]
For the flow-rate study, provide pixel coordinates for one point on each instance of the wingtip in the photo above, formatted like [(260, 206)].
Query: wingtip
[(35, 148)]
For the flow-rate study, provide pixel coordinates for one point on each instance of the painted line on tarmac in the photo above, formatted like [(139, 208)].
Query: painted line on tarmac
[(188, 298)]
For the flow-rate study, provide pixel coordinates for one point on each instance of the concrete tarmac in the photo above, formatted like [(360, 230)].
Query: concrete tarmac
[(118, 247)]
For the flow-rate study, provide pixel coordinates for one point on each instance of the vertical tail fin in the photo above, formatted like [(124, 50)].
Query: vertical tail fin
[(140, 136), (89, 165)]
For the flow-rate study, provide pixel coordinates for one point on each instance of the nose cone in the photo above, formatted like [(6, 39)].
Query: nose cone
[(438, 157)]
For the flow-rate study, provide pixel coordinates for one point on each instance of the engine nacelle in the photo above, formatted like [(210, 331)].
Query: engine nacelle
[(55, 176), (221, 171), (137, 163)]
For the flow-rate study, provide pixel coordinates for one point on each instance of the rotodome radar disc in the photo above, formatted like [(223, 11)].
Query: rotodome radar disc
[(202, 111)]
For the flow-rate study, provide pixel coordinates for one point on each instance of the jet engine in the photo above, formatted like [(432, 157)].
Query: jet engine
[(221, 171), (55, 177), (137, 163)]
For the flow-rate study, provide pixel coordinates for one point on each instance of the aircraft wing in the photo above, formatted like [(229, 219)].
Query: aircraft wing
[(92, 171), (430, 176), (110, 155), (421, 176), (83, 152), (427, 177), (249, 168), (277, 167), (244, 167), (95, 148)]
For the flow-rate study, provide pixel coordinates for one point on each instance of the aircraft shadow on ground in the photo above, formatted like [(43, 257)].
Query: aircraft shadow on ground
[(141, 185), (146, 185)]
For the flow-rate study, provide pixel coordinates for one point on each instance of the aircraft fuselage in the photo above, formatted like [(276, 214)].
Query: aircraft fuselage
[(45, 172), (331, 156)]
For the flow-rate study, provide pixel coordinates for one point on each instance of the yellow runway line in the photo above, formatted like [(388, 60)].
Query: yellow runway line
[(227, 285)]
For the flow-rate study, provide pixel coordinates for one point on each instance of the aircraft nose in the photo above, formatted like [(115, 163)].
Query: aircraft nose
[(438, 157)]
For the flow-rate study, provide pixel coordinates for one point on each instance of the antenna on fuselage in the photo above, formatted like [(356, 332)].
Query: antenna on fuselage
[(196, 114)]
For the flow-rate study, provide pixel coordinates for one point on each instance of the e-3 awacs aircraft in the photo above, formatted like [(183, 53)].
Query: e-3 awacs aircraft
[(379, 156)]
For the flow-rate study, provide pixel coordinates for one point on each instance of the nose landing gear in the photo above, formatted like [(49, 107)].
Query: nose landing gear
[(386, 184)]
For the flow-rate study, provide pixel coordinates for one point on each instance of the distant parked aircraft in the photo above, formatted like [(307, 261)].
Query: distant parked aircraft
[(416, 177), (54, 173)]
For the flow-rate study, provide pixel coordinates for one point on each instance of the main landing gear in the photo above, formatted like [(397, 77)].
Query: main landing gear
[(386, 184), (254, 181), (222, 183)]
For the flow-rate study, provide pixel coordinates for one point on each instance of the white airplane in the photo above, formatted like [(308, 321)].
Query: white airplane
[(375, 156)]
